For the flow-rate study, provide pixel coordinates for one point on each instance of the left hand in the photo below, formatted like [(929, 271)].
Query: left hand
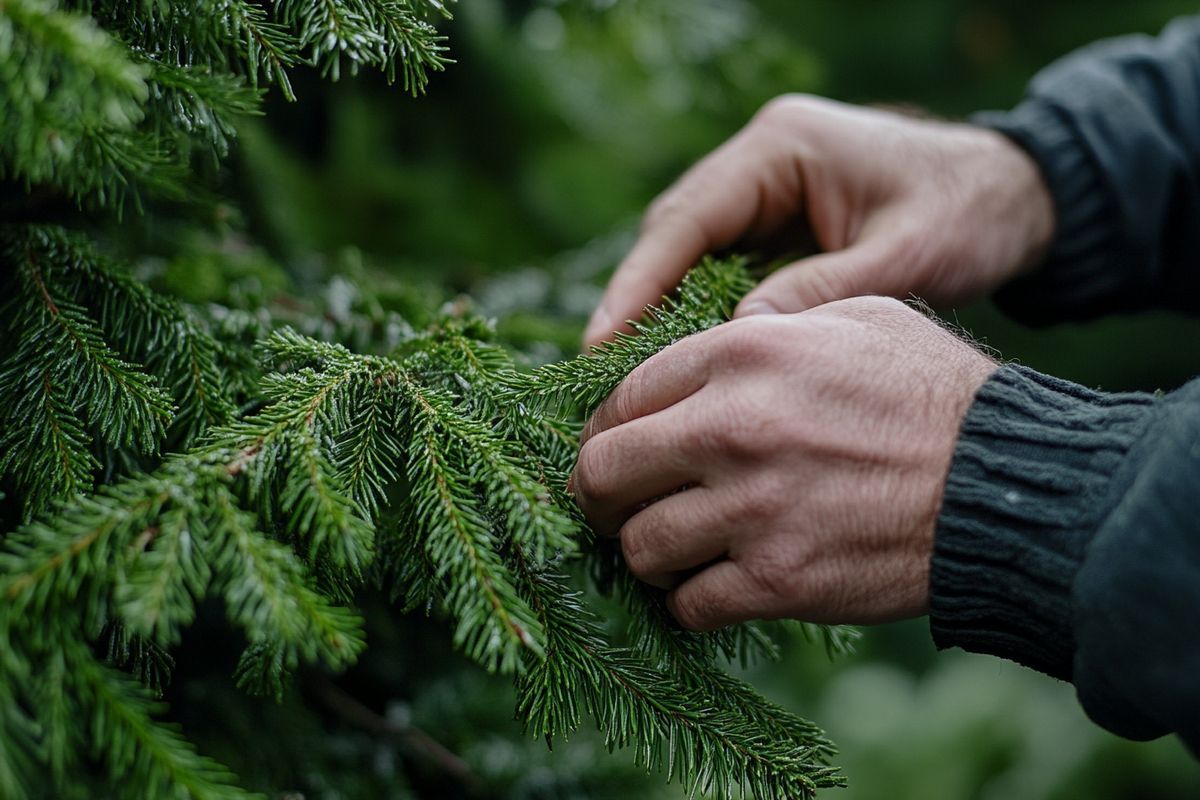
[(814, 449)]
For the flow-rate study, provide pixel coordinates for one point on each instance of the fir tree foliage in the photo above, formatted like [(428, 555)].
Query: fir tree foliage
[(107, 100), (706, 298), (157, 462), (284, 513), (92, 354)]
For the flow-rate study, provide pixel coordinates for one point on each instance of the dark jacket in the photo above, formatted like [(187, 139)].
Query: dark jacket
[(1069, 537)]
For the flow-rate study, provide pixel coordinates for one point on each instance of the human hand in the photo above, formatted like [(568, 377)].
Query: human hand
[(899, 206), (814, 448)]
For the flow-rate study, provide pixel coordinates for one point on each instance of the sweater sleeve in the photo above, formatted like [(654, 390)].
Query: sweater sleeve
[(1069, 541), (1115, 129)]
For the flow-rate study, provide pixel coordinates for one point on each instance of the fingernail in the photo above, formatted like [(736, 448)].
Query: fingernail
[(756, 307)]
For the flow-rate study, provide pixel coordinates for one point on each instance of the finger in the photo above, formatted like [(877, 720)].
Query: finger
[(712, 598), (675, 534), (711, 206), (664, 379), (622, 469), (819, 279)]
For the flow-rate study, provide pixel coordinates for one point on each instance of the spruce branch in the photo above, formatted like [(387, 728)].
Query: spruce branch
[(199, 102), (46, 565), (530, 456), (266, 592), (655, 633), (837, 640), (50, 56), (672, 724), (332, 30), (368, 454), (378, 33), (110, 101), (531, 519), (147, 753), (706, 297), (58, 709), (144, 326), (156, 595), (74, 97), (294, 438), (79, 324), (320, 509), (412, 45), (494, 624), (124, 405), (146, 660), (50, 456), (234, 36), (54, 49), (693, 658), (283, 511), (267, 48)]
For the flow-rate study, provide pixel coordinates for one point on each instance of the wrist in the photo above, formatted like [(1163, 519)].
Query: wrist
[(1026, 209)]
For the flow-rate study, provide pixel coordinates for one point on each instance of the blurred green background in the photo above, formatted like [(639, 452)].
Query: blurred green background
[(520, 177)]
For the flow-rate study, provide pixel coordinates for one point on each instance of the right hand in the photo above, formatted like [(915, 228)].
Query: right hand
[(899, 206)]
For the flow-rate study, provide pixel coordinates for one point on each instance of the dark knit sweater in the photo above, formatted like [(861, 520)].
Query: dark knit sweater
[(1069, 535)]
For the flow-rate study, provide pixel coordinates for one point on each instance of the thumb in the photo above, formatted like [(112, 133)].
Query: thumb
[(816, 280)]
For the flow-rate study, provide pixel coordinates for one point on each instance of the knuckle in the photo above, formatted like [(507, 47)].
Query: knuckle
[(756, 505), (744, 342), (738, 431), (773, 578), (784, 109), (746, 429), (661, 208), (720, 438)]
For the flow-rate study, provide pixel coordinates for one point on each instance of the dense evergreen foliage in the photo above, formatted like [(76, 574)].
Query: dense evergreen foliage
[(159, 457)]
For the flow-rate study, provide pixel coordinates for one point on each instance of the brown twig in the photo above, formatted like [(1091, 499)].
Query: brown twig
[(410, 737)]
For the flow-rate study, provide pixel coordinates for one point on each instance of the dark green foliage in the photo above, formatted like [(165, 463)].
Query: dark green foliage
[(67, 381), (171, 466), (105, 99), (679, 714), (278, 511), (705, 299)]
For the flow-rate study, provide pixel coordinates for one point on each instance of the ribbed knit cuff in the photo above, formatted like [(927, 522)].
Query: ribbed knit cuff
[(1078, 265), (1029, 485)]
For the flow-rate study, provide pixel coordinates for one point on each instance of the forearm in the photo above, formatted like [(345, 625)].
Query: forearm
[(1067, 541), (1115, 129)]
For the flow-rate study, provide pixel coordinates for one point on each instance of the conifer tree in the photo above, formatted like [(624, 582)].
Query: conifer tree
[(158, 456)]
